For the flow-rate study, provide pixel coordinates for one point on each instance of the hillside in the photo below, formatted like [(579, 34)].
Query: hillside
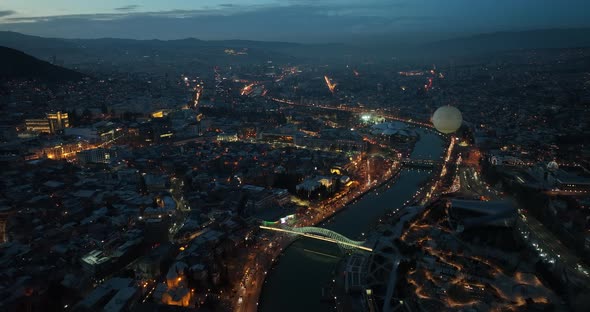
[(121, 51), (16, 64)]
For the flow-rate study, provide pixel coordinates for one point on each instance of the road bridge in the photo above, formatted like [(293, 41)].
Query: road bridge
[(421, 163)]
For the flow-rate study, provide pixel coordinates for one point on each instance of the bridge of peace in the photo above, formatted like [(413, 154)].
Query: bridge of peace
[(318, 233)]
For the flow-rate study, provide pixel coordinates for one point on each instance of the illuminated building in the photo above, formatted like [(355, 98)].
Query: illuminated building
[(95, 261), (368, 118), (248, 132), (99, 262), (311, 185), (94, 156), (175, 291), (226, 137), (330, 143), (411, 73), (234, 52), (52, 123), (63, 151), (38, 125), (58, 120)]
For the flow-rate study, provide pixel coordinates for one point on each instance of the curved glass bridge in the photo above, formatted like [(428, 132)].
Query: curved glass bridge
[(321, 234)]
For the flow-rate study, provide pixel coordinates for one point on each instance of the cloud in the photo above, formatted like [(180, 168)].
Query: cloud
[(311, 7), (297, 23), (127, 12), (297, 20), (6, 13), (128, 8), (107, 16)]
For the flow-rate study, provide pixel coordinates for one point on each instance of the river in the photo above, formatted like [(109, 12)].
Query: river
[(295, 282)]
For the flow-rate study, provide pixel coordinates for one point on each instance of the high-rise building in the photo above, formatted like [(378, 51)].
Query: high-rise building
[(58, 121), (38, 125), (52, 123)]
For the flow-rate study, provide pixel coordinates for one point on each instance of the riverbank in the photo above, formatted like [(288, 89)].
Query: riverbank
[(300, 274), (251, 303)]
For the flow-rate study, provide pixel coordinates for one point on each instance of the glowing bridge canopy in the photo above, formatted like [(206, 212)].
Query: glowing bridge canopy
[(322, 234)]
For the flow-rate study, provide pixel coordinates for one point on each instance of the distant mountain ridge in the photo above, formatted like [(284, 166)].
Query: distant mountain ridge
[(521, 40), (15, 64), (122, 50), (210, 52)]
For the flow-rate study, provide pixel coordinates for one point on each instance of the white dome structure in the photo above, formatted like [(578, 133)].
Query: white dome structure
[(552, 166), (447, 119)]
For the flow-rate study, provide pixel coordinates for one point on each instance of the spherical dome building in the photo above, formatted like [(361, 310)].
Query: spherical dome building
[(447, 119), (552, 166)]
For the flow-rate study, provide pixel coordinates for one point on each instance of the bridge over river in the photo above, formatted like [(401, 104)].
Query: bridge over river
[(302, 274), (322, 234), (421, 163)]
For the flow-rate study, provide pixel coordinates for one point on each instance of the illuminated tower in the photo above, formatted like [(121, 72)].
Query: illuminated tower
[(58, 121)]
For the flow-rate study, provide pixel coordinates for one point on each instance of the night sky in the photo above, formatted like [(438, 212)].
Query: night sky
[(286, 20)]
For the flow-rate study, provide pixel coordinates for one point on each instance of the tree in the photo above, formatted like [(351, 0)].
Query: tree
[(104, 109), (581, 301), (86, 115), (73, 118), (142, 187)]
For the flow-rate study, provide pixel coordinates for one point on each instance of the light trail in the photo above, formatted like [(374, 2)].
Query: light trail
[(331, 86), (419, 291), (428, 86), (355, 110), (455, 304), (198, 92), (247, 89)]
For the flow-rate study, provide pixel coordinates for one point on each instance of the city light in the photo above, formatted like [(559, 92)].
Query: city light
[(331, 86), (149, 167)]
